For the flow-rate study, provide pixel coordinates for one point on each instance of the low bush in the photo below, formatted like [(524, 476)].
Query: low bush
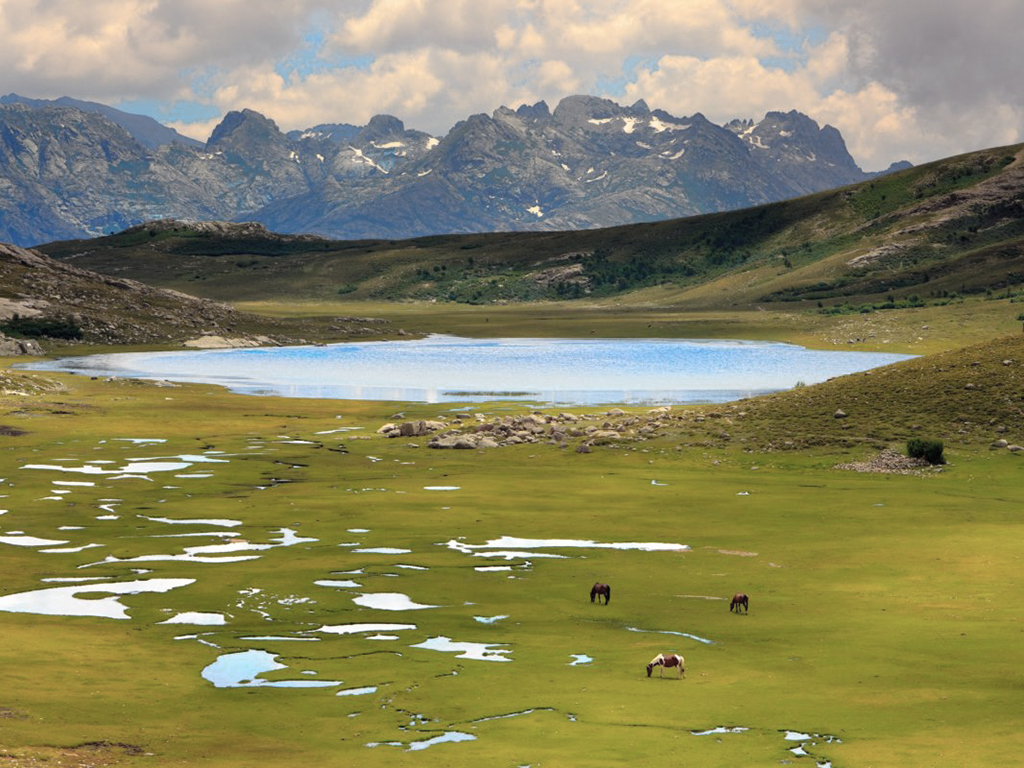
[(923, 448)]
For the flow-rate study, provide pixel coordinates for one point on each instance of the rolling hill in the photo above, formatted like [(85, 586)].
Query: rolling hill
[(929, 234)]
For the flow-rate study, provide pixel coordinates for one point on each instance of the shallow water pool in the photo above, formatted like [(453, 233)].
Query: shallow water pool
[(451, 369)]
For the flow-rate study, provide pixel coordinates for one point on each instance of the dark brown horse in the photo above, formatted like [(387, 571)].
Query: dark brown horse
[(667, 660), (600, 589), (738, 600)]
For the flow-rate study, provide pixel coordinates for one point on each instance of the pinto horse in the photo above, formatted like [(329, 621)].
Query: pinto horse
[(738, 600), (667, 660), (600, 589)]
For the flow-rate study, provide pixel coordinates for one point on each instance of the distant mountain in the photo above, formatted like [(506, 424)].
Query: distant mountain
[(82, 170), (926, 235), (144, 129)]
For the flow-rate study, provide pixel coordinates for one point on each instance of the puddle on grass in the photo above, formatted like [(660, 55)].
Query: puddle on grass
[(354, 629), (24, 540), (390, 601), (442, 488), (579, 659), (198, 618), (357, 691), (64, 601), (339, 584), (450, 737), (66, 550), (213, 553), (242, 670), (475, 651), (719, 729), (489, 619), (281, 638), (383, 551), (515, 542), (670, 632)]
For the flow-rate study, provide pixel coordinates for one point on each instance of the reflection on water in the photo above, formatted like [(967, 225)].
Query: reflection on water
[(449, 369), (242, 670)]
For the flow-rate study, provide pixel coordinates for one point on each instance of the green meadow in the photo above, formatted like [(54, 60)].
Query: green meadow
[(884, 626)]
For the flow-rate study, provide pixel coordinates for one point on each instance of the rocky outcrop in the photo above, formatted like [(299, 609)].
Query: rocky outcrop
[(13, 347), (468, 432)]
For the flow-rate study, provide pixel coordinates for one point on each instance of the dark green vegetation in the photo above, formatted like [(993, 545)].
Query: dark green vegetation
[(923, 448), (878, 607), (46, 327), (929, 235)]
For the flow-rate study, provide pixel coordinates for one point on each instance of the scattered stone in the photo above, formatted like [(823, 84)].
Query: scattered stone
[(1016, 448), (891, 462), (999, 444), (839, 414)]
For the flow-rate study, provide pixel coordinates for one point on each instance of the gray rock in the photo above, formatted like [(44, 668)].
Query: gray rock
[(999, 444), (840, 414), (13, 347)]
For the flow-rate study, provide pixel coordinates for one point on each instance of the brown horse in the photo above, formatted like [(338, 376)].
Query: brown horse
[(600, 589), (738, 600), (667, 660)]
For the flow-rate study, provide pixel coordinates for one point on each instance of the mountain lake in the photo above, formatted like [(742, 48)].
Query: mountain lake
[(452, 369)]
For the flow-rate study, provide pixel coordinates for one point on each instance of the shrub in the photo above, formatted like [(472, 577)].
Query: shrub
[(923, 448), (51, 327)]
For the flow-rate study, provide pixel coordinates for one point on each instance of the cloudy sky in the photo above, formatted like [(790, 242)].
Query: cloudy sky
[(914, 79)]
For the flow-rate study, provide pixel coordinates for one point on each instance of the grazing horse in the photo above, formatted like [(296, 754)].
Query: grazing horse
[(739, 599), (601, 589), (667, 660)]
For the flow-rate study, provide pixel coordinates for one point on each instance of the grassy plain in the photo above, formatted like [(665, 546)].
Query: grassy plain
[(882, 610)]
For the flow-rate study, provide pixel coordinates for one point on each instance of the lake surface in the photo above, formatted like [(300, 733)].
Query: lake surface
[(452, 369)]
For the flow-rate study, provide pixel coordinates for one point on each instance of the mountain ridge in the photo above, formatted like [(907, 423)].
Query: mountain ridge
[(588, 163)]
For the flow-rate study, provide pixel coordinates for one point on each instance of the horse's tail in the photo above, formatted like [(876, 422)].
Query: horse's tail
[(607, 595), (593, 591)]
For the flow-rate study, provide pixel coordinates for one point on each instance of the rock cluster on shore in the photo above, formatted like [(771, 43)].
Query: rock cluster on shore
[(478, 431)]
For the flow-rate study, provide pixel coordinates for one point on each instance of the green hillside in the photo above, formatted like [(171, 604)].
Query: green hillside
[(929, 234)]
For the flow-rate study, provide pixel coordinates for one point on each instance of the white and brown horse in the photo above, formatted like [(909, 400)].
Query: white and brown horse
[(667, 660), (600, 589), (739, 600)]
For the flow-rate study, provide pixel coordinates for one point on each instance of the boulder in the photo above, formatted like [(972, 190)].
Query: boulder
[(10, 347), (999, 444), (839, 414)]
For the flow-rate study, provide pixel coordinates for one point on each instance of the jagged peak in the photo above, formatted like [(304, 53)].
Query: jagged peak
[(383, 125), (538, 111), (243, 120)]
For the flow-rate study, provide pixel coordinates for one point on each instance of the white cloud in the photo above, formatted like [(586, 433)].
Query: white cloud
[(915, 78)]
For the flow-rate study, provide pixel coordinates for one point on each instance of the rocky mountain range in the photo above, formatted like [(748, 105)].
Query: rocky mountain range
[(71, 169)]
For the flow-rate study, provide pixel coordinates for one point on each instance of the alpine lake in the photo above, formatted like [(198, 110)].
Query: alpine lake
[(197, 576)]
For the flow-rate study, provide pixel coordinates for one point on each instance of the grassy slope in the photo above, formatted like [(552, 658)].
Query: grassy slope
[(878, 607), (950, 226)]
